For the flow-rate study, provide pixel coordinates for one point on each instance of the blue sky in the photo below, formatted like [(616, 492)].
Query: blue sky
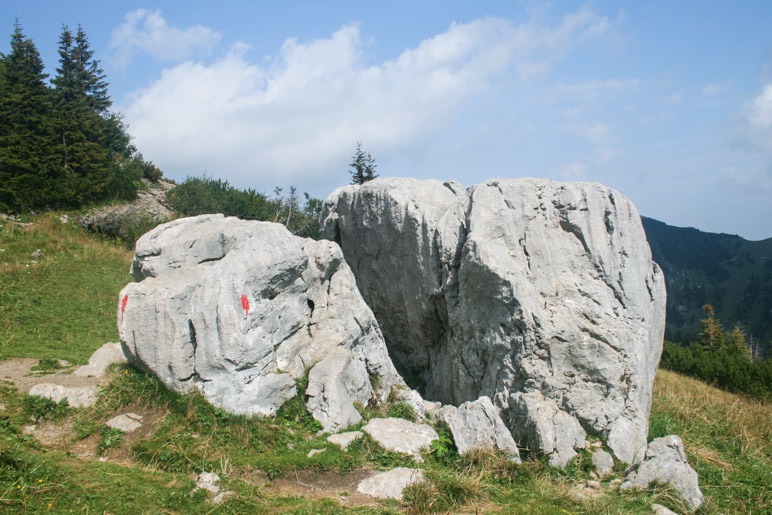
[(668, 102)]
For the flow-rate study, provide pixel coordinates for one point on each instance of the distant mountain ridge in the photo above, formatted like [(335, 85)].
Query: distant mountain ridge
[(732, 274)]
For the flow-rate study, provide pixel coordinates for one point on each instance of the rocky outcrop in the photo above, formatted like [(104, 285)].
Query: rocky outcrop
[(511, 286), (241, 310), (476, 425), (665, 462), (539, 424)]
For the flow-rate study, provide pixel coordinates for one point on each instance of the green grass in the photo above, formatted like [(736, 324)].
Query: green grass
[(61, 305)]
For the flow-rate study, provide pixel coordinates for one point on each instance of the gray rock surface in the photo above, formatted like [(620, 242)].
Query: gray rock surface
[(126, 422), (658, 509), (400, 435), (603, 462), (390, 484), (102, 358), (539, 424), (665, 462), (77, 396), (512, 285), (343, 440), (477, 425), (241, 309)]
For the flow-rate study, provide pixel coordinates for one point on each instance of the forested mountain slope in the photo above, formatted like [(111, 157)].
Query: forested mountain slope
[(732, 274)]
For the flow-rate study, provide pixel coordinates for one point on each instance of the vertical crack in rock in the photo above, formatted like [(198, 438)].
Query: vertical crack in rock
[(526, 309)]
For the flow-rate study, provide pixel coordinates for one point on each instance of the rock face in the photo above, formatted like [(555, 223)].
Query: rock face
[(477, 425), (241, 310), (665, 462), (538, 423), (512, 286)]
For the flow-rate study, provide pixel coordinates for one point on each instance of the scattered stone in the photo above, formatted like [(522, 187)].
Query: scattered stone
[(665, 462), (127, 422), (65, 219), (512, 285), (77, 396), (539, 424), (596, 445), (343, 440), (595, 485), (400, 435), (477, 425), (314, 452), (390, 484), (287, 305), (223, 496), (208, 481), (37, 254), (603, 462), (658, 509), (29, 430), (102, 358)]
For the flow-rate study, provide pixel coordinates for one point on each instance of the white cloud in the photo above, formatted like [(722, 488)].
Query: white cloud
[(147, 31), (713, 89), (296, 118), (758, 113)]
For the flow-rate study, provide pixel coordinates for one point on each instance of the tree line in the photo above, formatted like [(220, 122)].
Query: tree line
[(61, 146), (723, 358)]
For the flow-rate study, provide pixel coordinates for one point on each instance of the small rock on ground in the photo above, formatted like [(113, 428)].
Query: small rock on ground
[(127, 422), (390, 484), (658, 509), (103, 357), (400, 435), (343, 440), (77, 396)]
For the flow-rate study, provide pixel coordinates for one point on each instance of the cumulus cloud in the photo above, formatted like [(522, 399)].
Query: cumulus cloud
[(758, 113), (296, 117), (147, 31)]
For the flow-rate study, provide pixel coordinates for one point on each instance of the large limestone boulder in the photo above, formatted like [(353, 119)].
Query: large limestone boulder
[(241, 310), (517, 285)]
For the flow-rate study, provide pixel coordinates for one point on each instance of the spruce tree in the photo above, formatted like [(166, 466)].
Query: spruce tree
[(362, 167), (26, 135), (81, 102)]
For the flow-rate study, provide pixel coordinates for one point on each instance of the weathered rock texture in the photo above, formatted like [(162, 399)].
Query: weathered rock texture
[(477, 425), (665, 462), (242, 309), (400, 435), (539, 424), (390, 484), (512, 286)]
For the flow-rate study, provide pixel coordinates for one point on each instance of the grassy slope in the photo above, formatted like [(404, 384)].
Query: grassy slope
[(64, 307), (63, 304)]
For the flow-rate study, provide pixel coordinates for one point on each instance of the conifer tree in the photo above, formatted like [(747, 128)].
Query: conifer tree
[(26, 135), (80, 102), (362, 167)]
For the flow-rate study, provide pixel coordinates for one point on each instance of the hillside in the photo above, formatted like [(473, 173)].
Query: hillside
[(732, 274), (70, 461)]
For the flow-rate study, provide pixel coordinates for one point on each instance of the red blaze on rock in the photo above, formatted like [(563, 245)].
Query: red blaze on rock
[(124, 300), (245, 305)]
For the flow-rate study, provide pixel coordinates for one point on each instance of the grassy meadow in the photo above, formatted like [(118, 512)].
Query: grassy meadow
[(62, 305)]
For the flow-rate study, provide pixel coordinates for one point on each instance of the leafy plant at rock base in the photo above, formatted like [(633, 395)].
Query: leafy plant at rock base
[(42, 407), (111, 437), (402, 410)]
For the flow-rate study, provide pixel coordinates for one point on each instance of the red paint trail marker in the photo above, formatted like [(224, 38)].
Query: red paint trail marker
[(245, 305), (124, 300)]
